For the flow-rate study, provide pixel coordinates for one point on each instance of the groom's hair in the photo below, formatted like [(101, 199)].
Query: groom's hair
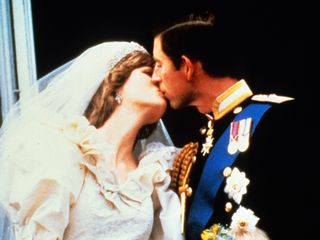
[(201, 38)]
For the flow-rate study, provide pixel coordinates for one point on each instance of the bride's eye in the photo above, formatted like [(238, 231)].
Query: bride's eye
[(148, 71)]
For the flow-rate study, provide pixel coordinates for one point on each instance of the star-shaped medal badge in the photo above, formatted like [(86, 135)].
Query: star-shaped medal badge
[(207, 146), (209, 133)]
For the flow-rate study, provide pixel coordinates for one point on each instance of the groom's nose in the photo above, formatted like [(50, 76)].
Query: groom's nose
[(155, 78)]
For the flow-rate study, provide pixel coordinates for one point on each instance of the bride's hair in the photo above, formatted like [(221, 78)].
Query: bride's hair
[(103, 101)]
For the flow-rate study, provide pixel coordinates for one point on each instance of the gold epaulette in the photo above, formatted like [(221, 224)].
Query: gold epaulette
[(180, 175), (273, 98)]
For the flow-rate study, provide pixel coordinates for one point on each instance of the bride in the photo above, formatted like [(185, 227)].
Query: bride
[(80, 157)]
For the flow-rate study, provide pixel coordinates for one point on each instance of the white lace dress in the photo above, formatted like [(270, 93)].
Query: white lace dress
[(72, 195)]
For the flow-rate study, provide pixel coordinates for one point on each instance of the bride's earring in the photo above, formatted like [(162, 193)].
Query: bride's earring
[(118, 98)]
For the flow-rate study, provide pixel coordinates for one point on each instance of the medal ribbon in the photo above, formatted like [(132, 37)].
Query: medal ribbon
[(202, 207), (235, 130)]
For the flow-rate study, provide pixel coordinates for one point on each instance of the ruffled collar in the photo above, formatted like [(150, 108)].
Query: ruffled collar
[(152, 167)]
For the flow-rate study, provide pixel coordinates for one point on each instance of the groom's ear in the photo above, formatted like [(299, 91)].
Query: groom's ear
[(187, 67)]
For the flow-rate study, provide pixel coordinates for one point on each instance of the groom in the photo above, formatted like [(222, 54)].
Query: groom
[(247, 147)]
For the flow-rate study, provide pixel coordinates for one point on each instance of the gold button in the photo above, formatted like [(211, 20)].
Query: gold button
[(203, 131), (228, 207), (237, 110), (227, 172)]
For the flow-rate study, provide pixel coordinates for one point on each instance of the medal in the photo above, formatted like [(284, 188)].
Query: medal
[(233, 147), (243, 145), (239, 135), (244, 134), (209, 133), (233, 138)]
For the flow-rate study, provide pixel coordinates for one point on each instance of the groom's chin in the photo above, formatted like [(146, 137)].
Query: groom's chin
[(203, 109)]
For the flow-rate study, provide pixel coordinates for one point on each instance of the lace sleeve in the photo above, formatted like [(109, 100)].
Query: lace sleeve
[(166, 202), (167, 215), (161, 152), (42, 188), (44, 214)]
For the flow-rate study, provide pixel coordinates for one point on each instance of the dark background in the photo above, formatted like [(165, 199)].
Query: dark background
[(271, 34)]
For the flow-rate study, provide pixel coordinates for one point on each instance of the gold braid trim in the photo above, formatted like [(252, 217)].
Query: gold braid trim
[(180, 175)]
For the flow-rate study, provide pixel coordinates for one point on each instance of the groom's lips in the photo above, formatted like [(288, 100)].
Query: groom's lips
[(162, 93)]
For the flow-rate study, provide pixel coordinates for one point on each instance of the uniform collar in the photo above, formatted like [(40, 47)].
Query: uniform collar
[(230, 98)]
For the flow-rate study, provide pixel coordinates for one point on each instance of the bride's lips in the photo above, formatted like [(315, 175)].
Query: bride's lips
[(161, 93)]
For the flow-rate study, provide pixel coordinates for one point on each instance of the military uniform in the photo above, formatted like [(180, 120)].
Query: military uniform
[(268, 161)]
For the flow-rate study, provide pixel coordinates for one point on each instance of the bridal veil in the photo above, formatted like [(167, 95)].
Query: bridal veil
[(64, 92)]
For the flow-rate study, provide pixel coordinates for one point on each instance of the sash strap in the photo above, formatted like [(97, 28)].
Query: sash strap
[(212, 175)]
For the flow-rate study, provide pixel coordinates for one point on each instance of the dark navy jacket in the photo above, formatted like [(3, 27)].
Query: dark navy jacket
[(278, 186)]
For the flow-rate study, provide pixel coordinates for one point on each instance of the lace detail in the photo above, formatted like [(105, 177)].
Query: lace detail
[(140, 208), (23, 233), (166, 154), (97, 218), (153, 167)]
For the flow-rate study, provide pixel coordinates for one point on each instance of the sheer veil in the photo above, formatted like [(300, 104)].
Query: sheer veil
[(65, 91)]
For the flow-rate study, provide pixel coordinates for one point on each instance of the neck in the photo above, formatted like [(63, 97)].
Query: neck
[(121, 130), (208, 89)]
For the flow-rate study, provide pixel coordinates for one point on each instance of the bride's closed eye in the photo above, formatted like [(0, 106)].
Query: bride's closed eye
[(148, 71)]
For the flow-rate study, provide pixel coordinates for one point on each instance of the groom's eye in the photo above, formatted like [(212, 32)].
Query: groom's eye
[(157, 65)]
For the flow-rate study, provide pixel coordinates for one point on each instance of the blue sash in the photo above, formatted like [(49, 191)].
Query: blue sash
[(212, 175)]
